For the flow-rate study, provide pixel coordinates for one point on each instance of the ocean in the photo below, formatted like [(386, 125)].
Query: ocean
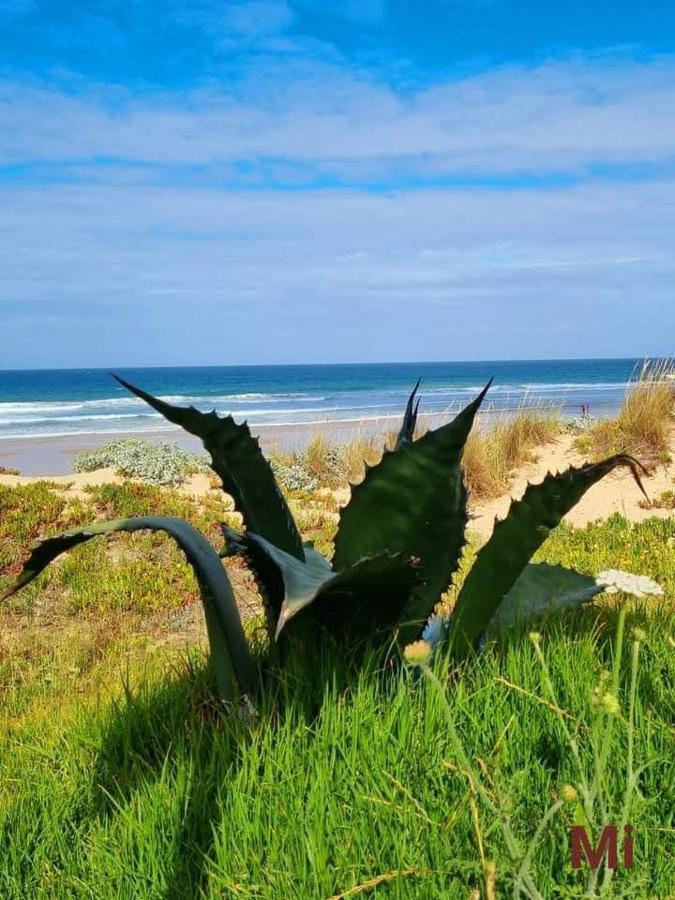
[(46, 403)]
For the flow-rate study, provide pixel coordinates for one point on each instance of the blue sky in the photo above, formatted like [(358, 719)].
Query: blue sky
[(272, 181)]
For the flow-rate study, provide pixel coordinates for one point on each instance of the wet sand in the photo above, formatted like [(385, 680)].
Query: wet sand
[(54, 455)]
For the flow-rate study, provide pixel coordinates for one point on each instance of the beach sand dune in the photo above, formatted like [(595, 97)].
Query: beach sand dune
[(618, 493)]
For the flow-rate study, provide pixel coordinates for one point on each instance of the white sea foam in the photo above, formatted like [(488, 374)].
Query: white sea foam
[(124, 414), (92, 418)]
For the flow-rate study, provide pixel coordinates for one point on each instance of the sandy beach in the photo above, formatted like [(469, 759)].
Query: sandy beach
[(47, 456), (617, 493), (53, 455)]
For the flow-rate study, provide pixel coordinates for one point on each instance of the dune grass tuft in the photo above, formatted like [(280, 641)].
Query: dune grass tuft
[(491, 454), (644, 422)]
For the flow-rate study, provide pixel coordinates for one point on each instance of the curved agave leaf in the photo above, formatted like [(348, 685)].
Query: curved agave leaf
[(350, 601), (414, 503), (409, 423), (514, 541), (540, 589), (268, 565), (230, 654), (245, 473)]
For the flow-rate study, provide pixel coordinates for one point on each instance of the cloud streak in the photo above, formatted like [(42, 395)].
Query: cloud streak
[(308, 209), (217, 275), (324, 123)]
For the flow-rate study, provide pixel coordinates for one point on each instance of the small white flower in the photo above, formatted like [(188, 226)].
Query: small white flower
[(614, 581)]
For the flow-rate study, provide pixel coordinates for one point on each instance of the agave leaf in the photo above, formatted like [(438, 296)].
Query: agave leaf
[(265, 571), (272, 570), (541, 589), (514, 541), (413, 503), (230, 654), (377, 583), (366, 600), (245, 473), (409, 423)]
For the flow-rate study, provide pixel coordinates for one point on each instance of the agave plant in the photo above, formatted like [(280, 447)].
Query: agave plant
[(397, 547)]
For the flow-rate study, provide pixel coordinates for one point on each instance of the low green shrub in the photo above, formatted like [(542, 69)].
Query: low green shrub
[(162, 464)]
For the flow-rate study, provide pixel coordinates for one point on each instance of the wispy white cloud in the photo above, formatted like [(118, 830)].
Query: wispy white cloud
[(561, 118), (366, 11), (187, 275), (137, 210), (254, 19)]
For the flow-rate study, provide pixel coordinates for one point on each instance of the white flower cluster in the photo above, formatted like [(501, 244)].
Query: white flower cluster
[(614, 581), (163, 464)]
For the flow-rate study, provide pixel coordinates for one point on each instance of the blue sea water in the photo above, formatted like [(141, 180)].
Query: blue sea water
[(84, 401)]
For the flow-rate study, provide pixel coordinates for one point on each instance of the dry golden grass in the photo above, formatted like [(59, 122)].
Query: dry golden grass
[(332, 463), (491, 455), (366, 447), (644, 422), (316, 457), (359, 451)]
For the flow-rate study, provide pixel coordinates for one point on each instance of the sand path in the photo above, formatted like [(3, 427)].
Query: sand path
[(617, 493)]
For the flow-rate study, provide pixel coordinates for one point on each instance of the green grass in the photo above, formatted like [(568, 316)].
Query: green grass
[(120, 776)]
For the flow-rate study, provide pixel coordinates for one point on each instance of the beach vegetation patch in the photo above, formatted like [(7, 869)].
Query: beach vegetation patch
[(162, 463), (398, 543), (645, 421), (492, 454)]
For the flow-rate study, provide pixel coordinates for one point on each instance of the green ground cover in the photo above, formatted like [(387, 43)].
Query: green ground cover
[(120, 775)]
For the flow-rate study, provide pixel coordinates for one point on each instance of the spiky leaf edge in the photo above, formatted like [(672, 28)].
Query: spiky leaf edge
[(516, 538), (249, 480), (417, 520), (407, 430)]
